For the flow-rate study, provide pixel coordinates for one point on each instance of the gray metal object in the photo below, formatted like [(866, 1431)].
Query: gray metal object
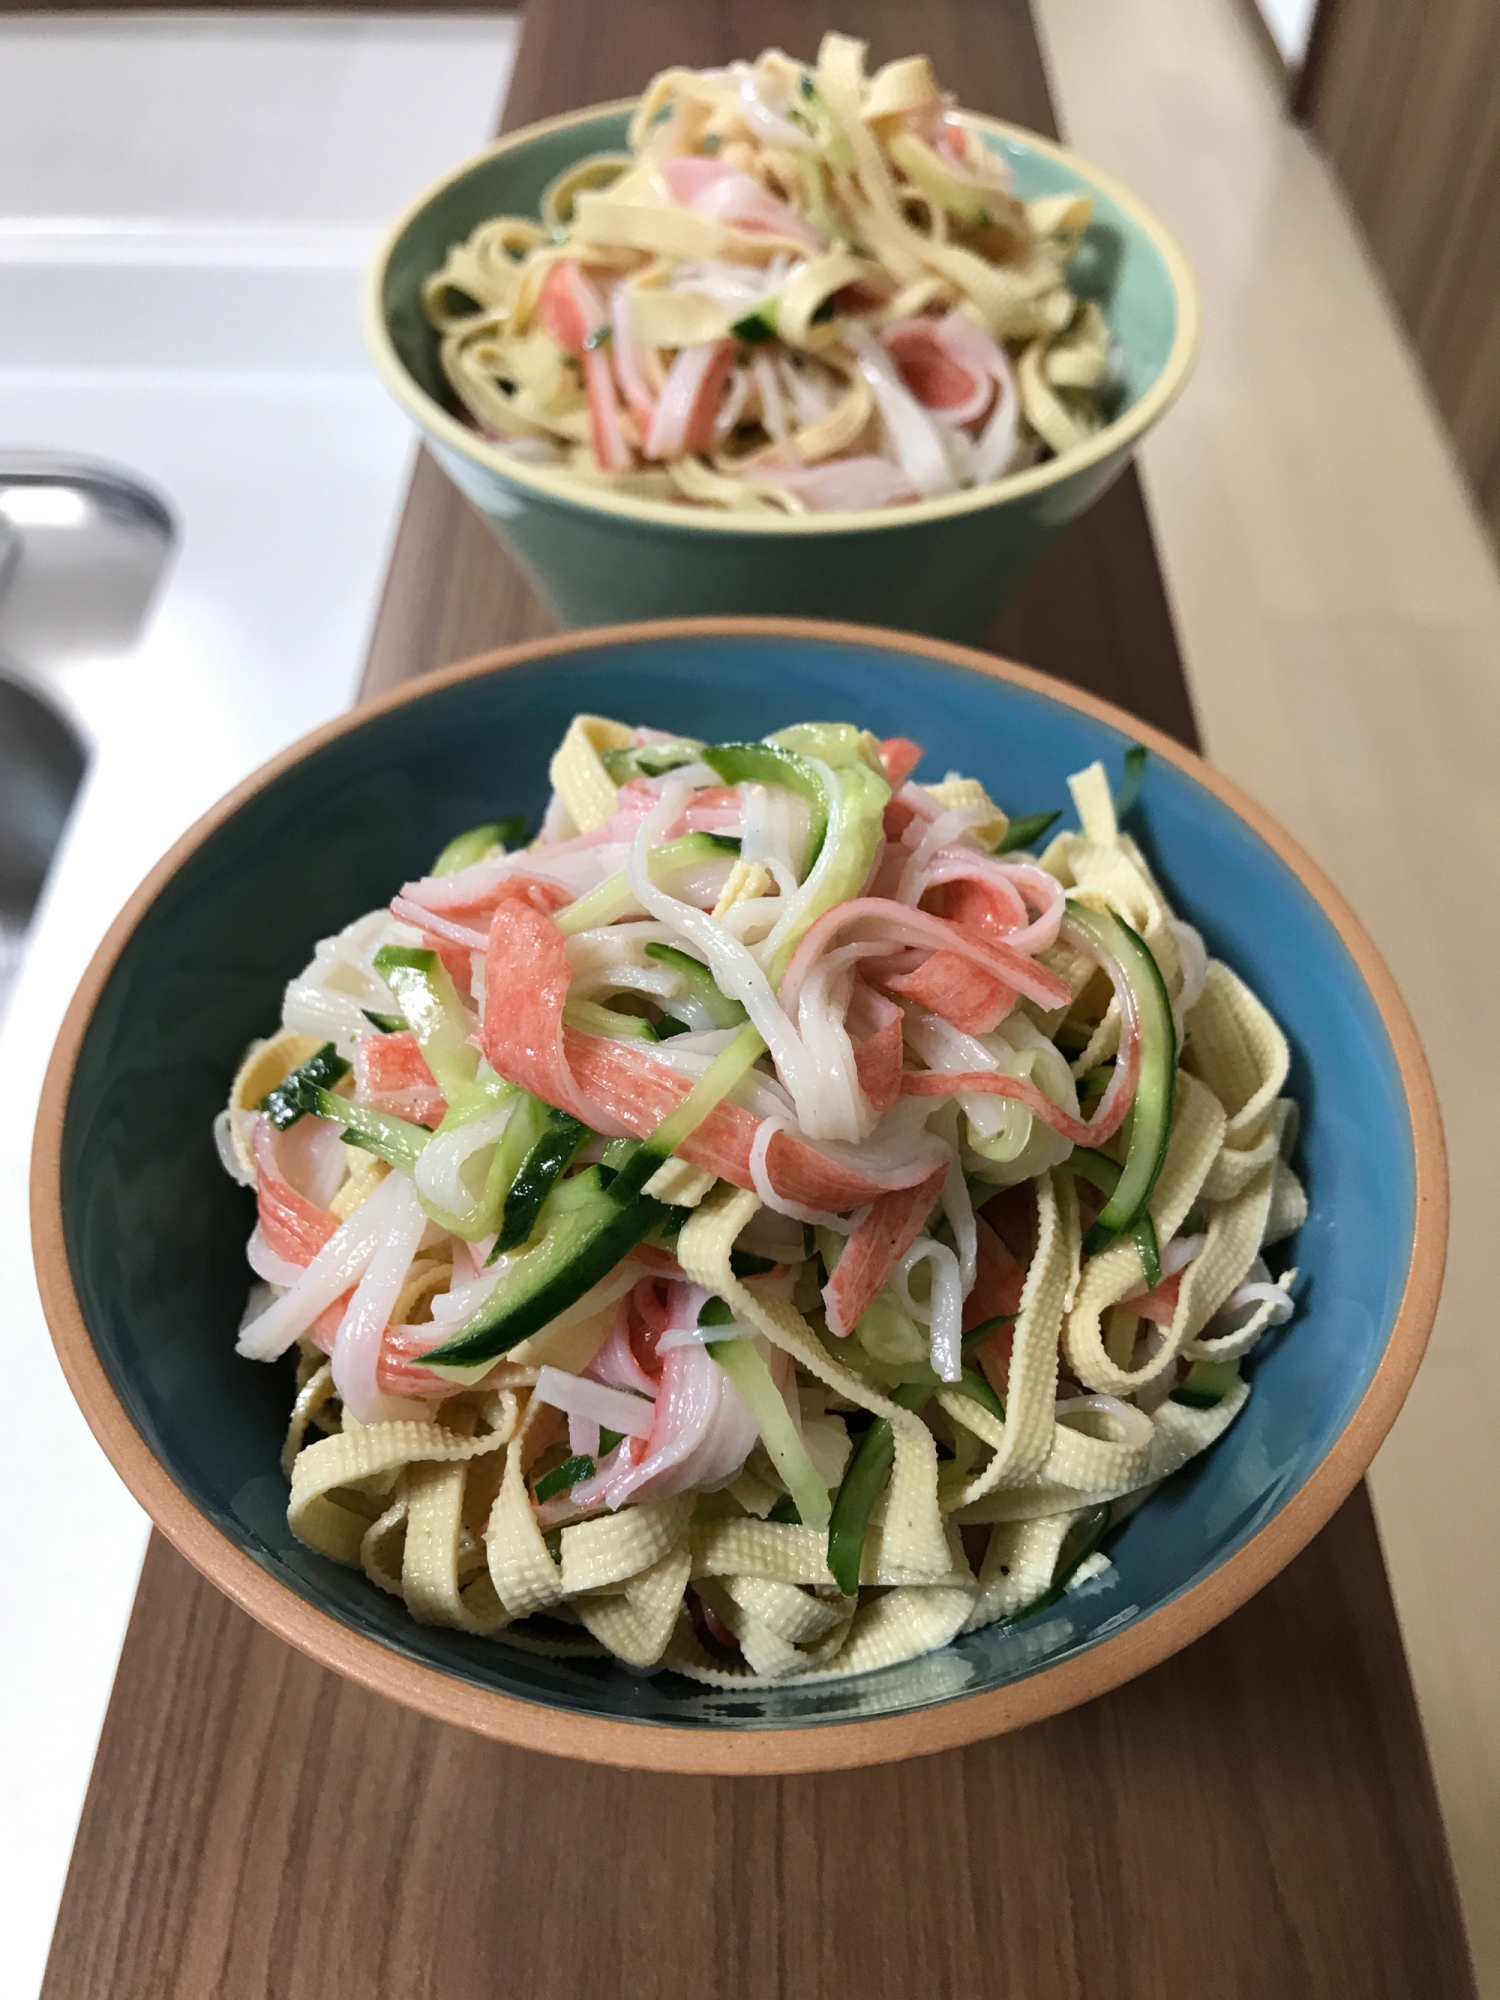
[(82, 551), (41, 767), (90, 544)]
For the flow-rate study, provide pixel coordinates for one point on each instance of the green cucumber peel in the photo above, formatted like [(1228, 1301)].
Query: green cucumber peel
[(973, 1385), (467, 848), (395, 1140), (985, 1328), (650, 760), (1104, 1173), (388, 1024), (1156, 1083), (844, 866), (1024, 833), (1130, 783), (563, 1478), (592, 1017), (775, 764), (746, 1367), (701, 984), (615, 897), (721, 1076), (1080, 1542), (1206, 1384), (293, 1096), (435, 1013), (865, 1478), (539, 1171), (582, 1232), (759, 325)]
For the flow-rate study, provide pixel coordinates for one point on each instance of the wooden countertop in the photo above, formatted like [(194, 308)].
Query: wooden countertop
[(1254, 1818)]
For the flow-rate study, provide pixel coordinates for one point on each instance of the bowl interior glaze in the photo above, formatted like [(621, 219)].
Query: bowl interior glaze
[(155, 1232)]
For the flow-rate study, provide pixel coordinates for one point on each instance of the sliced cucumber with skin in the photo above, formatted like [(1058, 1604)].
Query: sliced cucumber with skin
[(1206, 1384), (1156, 1084), (1100, 1171), (591, 1017), (759, 325), (865, 1479), (395, 1140), (746, 1367), (539, 1172), (614, 897), (563, 1478), (715, 1084), (649, 760), (1025, 832), (582, 1233), (773, 764), (436, 1015), (701, 984), (467, 848), (292, 1097), (1078, 1544)]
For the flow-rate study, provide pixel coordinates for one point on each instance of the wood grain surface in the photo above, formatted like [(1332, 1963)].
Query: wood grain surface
[(1254, 1818), (1405, 97)]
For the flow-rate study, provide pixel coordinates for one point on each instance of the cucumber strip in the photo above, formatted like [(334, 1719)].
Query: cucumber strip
[(395, 1140), (613, 898), (771, 764), (1206, 1383), (591, 1017), (563, 1478), (649, 760), (864, 1481), (722, 1011), (1130, 784), (467, 848), (984, 1329), (539, 1171), (437, 1016), (715, 1084), (1078, 1544), (1026, 832), (745, 1366), (758, 325), (972, 1384), (388, 1024), (1156, 1086), (582, 1233), (1104, 1173), (291, 1098)]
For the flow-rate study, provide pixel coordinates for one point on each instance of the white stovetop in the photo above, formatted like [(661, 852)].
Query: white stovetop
[(185, 205)]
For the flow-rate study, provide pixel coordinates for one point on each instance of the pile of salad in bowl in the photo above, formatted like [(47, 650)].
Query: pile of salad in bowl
[(802, 289), (782, 1217)]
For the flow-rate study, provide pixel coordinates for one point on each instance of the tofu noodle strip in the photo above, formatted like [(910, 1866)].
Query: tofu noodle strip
[(762, 1227), (837, 305)]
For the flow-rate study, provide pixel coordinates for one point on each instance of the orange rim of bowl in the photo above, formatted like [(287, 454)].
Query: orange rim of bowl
[(561, 487), (771, 1750)]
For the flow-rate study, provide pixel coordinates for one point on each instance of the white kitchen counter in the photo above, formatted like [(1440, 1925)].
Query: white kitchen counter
[(185, 204)]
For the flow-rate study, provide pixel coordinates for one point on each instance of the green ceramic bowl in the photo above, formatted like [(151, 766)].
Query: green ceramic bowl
[(944, 567)]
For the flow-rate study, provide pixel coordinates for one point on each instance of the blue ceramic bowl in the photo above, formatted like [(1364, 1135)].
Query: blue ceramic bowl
[(944, 566), (140, 1236)]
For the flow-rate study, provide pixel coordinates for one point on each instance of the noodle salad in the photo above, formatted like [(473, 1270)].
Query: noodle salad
[(802, 289), (770, 1224)]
